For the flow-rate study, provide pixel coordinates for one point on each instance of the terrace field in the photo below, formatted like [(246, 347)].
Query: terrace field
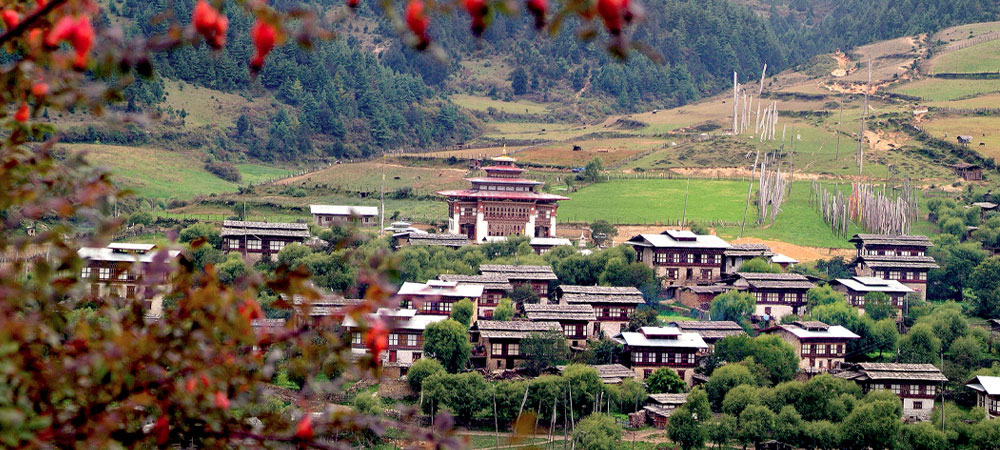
[(160, 173), (483, 104), (611, 151), (936, 89), (367, 176), (975, 59), (983, 129)]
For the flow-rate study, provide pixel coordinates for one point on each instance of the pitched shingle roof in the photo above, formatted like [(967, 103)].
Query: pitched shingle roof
[(892, 371), (891, 239), (491, 281), (537, 312), (773, 280), (902, 262), (710, 329), (538, 273), (609, 373), (243, 228), (748, 250), (601, 294), (669, 399), (515, 329), (439, 239)]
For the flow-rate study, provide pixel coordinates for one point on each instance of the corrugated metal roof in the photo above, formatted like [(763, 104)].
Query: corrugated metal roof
[(344, 210), (665, 241), (832, 332), (439, 288), (110, 255), (873, 284), (683, 340), (982, 383), (550, 241)]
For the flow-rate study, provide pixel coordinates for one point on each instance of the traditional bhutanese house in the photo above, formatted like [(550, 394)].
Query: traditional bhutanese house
[(498, 342), (495, 288), (894, 257), (538, 277), (820, 347), (541, 245), (502, 204), (855, 289), (327, 215), (613, 305), (435, 239), (994, 327), (120, 270), (653, 347), (575, 320), (406, 337), (609, 373), (681, 257), (436, 297), (971, 172), (915, 384), (700, 297), (659, 407), (738, 254), (987, 394), (257, 240), (711, 331), (777, 294)]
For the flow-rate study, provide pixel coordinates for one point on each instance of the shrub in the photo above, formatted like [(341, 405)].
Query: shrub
[(225, 171)]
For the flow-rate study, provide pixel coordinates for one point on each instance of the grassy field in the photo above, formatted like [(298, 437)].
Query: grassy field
[(709, 201), (975, 59), (611, 151), (367, 176), (206, 106), (161, 173), (982, 101), (985, 129), (935, 89), (478, 103), (540, 130)]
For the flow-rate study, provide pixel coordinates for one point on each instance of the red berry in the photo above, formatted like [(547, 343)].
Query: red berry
[(377, 339), (40, 89), (82, 40), (221, 401), (210, 24), (477, 10), (60, 31), (10, 18), (612, 12), (353, 3), (417, 21), (190, 384), (263, 36), (304, 429), (161, 429), (538, 8), (22, 113)]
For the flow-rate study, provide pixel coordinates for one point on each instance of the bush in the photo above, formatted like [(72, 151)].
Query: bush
[(598, 432), (225, 171), (422, 369), (141, 218)]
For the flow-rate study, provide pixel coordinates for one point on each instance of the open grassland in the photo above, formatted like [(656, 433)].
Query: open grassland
[(161, 173), (540, 130), (367, 176), (206, 106), (478, 103), (964, 32), (937, 89), (612, 152), (718, 203), (975, 59), (984, 129), (982, 101), (472, 153)]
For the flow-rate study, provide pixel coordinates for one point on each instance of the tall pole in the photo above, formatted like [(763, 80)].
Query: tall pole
[(685, 211), (496, 421), (864, 117), (381, 201), (736, 102), (839, 122)]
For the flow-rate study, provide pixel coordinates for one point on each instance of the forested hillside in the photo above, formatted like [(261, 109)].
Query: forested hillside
[(366, 91)]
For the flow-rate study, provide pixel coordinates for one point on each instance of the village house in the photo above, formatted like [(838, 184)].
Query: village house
[(856, 288), (498, 342), (915, 384), (651, 348), (120, 270), (436, 297), (256, 240), (987, 394), (495, 288), (820, 347), (711, 331), (738, 254), (894, 257), (541, 245), (777, 294), (502, 204), (783, 261), (406, 338), (328, 215), (609, 373), (575, 320), (681, 257), (538, 277), (329, 308), (969, 172), (613, 305), (700, 297), (659, 407)]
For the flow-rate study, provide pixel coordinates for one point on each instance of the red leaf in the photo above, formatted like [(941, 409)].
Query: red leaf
[(221, 401), (304, 429), (22, 113), (161, 429)]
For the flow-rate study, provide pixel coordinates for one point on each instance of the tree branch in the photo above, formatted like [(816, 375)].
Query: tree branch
[(29, 20)]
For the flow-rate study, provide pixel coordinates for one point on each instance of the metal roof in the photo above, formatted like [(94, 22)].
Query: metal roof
[(111, 255), (342, 210), (706, 241), (801, 332), (502, 180), (647, 338), (401, 319), (986, 384), (872, 284), (439, 288), (550, 241)]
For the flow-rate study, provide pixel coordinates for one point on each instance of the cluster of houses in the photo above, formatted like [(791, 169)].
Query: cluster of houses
[(693, 269)]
